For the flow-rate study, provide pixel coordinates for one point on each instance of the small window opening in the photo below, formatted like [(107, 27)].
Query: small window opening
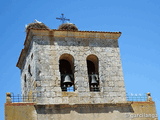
[(66, 70), (32, 56), (29, 70), (25, 79), (92, 66)]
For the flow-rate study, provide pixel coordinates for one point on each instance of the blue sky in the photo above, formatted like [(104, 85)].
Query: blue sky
[(138, 20)]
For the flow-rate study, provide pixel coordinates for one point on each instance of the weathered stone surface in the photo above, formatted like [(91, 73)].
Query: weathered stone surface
[(114, 111), (41, 76), (43, 55)]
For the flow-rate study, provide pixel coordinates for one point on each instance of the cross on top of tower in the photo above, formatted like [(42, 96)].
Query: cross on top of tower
[(63, 19)]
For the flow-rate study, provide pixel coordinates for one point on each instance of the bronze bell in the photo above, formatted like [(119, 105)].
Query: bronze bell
[(93, 80), (67, 80)]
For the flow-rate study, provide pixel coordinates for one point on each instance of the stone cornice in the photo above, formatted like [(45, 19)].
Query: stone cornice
[(77, 34)]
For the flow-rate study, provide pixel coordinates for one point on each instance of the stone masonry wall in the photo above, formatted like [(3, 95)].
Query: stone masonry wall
[(43, 57), (120, 111), (123, 111), (20, 111), (28, 76)]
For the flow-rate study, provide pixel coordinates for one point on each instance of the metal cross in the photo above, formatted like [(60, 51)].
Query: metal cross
[(63, 19)]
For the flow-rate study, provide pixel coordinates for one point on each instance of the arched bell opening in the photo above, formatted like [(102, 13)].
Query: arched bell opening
[(66, 67), (93, 75)]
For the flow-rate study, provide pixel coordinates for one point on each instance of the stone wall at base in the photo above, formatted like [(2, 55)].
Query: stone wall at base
[(20, 111), (114, 111)]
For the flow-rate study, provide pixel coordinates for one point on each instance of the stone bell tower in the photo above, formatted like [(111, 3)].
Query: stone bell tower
[(68, 74), (68, 66)]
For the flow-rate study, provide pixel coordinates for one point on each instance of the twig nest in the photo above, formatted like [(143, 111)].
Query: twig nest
[(68, 26), (36, 26)]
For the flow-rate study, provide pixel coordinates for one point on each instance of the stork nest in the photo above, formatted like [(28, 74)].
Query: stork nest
[(36, 26), (68, 26)]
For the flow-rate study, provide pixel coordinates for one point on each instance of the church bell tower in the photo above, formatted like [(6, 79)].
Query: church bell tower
[(68, 74), (68, 66)]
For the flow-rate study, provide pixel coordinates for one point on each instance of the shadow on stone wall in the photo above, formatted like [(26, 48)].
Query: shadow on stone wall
[(83, 109)]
